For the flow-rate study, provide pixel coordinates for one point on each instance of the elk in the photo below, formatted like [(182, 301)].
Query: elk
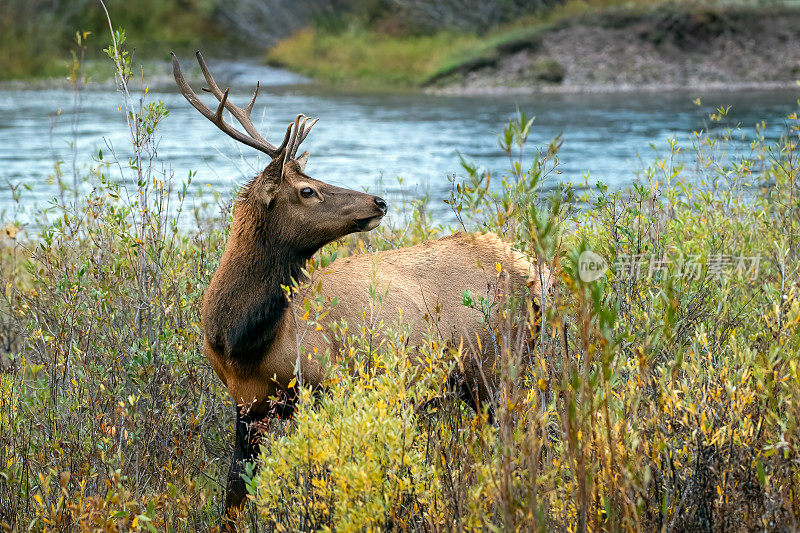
[(281, 218)]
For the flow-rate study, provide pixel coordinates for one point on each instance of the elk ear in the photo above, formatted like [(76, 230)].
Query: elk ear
[(302, 160), (270, 179)]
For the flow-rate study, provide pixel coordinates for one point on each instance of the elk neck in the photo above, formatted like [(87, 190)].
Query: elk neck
[(246, 301)]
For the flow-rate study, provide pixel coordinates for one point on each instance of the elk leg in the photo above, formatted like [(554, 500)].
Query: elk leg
[(469, 390), (245, 449), (469, 394)]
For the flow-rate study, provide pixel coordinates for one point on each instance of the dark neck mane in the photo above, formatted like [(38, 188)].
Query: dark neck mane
[(246, 301)]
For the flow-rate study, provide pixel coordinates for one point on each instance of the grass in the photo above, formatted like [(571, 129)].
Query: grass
[(365, 56), (664, 394)]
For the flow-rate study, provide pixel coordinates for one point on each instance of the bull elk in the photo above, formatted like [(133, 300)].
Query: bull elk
[(280, 219)]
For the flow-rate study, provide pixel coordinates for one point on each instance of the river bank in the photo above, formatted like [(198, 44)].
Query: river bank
[(704, 50), (644, 48), (662, 48)]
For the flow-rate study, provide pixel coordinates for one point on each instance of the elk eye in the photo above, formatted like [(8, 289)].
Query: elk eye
[(306, 192)]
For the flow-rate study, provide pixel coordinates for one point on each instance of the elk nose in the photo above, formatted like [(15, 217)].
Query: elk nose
[(381, 203)]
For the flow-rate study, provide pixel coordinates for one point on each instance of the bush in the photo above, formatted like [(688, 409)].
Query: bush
[(671, 403), (547, 70), (354, 461), (110, 417)]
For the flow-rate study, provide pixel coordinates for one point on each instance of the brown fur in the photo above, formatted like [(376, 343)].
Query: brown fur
[(252, 335)]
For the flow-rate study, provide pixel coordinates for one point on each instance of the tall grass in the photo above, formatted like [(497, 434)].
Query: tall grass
[(111, 420), (671, 404), (661, 395)]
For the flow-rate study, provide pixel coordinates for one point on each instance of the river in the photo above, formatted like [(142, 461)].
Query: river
[(368, 140)]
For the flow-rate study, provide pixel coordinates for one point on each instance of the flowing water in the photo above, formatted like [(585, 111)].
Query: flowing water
[(367, 140)]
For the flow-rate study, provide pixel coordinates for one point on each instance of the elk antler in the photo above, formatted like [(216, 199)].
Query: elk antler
[(295, 133)]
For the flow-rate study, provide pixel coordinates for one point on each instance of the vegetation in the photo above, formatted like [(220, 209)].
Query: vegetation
[(367, 57), (107, 408), (671, 404), (395, 48), (35, 33), (373, 43), (663, 394)]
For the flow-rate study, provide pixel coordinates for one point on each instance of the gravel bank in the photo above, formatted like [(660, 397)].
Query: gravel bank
[(659, 51)]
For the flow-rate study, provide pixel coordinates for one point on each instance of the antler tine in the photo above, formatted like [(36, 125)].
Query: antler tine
[(192, 98), (286, 137), (296, 132), (305, 129), (253, 140), (222, 106), (288, 141), (212, 85), (294, 126), (249, 107), (242, 115), (308, 129), (299, 136), (185, 90)]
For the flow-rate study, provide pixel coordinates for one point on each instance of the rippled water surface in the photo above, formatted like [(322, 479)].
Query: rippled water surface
[(368, 140)]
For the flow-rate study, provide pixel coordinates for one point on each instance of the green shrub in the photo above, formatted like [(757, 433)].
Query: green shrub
[(353, 461), (673, 402), (111, 419)]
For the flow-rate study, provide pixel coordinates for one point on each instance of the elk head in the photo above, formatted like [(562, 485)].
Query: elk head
[(283, 204)]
